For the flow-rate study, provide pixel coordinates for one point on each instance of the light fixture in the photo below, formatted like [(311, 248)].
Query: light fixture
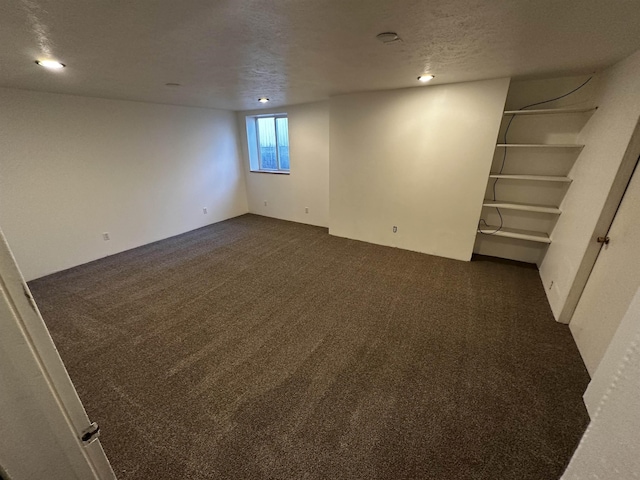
[(263, 99), (173, 84), (425, 78), (50, 64)]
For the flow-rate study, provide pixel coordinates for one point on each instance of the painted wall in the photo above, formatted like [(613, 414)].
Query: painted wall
[(628, 326), (606, 137), (417, 159), (545, 129), (75, 167), (609, 447), (307, 185)]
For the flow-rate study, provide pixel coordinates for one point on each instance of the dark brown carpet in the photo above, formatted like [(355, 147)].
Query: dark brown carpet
[(262, 349)]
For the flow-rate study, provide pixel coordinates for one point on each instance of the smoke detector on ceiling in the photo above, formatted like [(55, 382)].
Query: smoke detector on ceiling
[(388, 37)]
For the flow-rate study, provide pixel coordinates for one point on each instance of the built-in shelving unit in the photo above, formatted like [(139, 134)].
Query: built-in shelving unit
[(550, 111), (547, 185), (538, 145), (539, 237), (535, 178), (522, 206)]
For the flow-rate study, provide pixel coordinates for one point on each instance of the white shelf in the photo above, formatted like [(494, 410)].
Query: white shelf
[(539, 237), (522, 206), (550, 111), (537, 178), (539, 145)]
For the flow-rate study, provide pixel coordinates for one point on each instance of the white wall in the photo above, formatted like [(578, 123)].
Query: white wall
[(609, 447), (627, 326), (75, 167), (307, 185), (416, 158), (606, 137)]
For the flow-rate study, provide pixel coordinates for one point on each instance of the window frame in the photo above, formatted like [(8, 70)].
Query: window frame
[(279, 170)]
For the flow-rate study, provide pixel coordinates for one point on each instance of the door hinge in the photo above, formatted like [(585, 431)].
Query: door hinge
[(91, 433), (604, 240), (27, 293)]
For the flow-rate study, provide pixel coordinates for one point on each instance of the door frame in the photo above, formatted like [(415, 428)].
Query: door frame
[(27, 342), (608, 213)]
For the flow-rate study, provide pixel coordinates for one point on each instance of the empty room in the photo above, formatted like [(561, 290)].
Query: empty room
[(319, 240)]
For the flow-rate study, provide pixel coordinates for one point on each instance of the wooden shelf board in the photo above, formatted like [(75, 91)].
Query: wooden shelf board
[(522, 206), (550, 111), (539, 145), (539, 237), (537, 178)]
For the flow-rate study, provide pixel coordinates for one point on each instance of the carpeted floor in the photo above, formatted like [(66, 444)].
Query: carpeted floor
[(262, 349)]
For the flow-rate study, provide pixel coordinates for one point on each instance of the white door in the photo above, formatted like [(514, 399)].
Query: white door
[(613, 281), (42, 420)]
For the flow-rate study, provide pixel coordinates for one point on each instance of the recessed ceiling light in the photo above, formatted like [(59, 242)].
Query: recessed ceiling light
[(263, 99), (50, 64), (426, 78)]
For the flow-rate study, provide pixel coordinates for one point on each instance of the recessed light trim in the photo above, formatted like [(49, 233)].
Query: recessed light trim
[(263, 100), (51, 64), (427, 77)]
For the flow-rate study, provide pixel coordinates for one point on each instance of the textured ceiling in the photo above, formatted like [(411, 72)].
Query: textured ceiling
[(227, 53)]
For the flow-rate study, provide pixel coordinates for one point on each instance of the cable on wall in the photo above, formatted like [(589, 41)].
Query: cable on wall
[(504, 155)]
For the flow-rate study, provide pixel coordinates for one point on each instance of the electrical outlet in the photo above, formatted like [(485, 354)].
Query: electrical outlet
[(205, 211), (306, 209), (395, 229), (105, 236), (265, 203)]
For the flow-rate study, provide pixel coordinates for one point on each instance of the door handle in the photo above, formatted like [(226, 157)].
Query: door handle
[(604, 240)]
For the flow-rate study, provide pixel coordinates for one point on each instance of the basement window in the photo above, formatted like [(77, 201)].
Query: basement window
[(268, 138)]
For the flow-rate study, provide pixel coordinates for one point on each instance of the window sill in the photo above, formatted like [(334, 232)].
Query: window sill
[(275, 172)]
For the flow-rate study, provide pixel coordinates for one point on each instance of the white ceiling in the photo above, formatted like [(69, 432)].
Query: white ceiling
[(227, 53)]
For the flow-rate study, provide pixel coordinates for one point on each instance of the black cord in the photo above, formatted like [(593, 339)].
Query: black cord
[(504, 155), (487, 225), (558, 98)]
